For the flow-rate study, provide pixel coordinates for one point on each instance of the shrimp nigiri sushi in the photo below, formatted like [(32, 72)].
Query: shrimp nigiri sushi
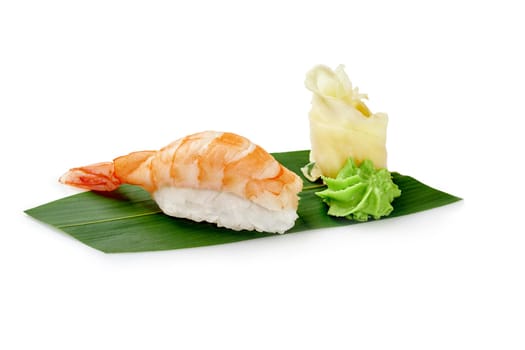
[(218, 177)]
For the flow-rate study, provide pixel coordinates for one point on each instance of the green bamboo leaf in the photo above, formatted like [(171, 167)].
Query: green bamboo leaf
[(128, 220)]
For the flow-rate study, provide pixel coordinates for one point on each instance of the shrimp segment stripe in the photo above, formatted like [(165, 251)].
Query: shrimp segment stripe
[(208, 162)]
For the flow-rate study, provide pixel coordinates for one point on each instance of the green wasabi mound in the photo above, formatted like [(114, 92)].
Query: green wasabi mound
[(360, 192)]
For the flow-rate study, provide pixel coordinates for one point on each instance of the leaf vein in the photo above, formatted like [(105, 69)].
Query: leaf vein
[(109, 219)]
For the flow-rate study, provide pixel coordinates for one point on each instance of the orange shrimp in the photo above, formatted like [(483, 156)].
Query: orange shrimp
[(208, 160)]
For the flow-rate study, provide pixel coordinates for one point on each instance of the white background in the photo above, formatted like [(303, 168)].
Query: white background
[(82, 82)]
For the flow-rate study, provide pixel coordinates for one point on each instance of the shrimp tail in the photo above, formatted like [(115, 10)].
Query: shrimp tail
[(96, 177)]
